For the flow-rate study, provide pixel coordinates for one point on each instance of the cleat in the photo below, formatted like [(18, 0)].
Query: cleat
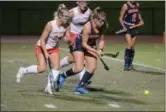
[(126, 69), (80, 90), (20, 74), (131, 67), (60, 82)]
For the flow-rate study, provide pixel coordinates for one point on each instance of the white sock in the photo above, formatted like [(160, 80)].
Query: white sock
[(55, 74), (48, 83), (82, 73), (64, 62), (31, 69)]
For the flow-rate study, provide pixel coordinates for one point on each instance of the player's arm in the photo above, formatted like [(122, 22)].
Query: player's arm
[(101, 43), (141, 22), (71, 14), (122, 14), (67, 36), (43, 37), (85, 36)]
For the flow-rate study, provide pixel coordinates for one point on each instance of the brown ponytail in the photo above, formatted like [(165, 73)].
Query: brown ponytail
[(59, 11)]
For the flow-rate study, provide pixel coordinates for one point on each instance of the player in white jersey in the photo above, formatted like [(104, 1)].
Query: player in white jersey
[(47, 47), (79, 15)]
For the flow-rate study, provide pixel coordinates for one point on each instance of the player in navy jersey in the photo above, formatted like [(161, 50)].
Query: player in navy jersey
[(92, 31), (130, 19)]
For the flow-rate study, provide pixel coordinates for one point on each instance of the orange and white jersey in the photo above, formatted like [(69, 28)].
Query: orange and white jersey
[(57, 32), (79, 20)]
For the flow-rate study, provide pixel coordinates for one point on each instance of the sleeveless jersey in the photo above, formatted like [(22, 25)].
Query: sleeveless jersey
[(52, 41), (131, 16), (79, 20), (93, 37)]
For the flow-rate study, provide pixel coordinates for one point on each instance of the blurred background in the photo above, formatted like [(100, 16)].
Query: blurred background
[(30, 17)]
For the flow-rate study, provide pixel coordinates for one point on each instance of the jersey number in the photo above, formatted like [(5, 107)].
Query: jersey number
[(134, 16)]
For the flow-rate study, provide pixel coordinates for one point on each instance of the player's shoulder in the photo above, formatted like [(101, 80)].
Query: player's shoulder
[(87, 26), (73, 9), (125, 6), (138, 5), (90, 10), (51, 23)]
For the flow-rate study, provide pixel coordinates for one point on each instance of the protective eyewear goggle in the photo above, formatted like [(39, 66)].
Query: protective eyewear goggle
[(66, 15), (101, 21)]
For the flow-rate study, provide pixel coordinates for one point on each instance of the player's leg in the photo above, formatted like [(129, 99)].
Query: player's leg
[(91, 67), (132, 52), (69, 60), (55, 60), (133, 33), (53, 75), (66, 61), (78, 56), (127, 51), (78, 67), (81, 74), (33, 69)]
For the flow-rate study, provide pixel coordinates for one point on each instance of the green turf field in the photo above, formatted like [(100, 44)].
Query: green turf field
[(123, 88)]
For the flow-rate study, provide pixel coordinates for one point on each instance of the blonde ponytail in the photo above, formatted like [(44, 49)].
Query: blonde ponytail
[(54, 14), (61, 7)]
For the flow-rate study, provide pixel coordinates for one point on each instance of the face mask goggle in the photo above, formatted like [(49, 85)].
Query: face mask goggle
[(65, 15), (101, 21)]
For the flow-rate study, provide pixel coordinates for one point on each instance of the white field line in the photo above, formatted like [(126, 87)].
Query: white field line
[(138, 64), (120, 60)]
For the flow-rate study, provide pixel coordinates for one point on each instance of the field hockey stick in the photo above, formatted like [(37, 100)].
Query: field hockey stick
[(112, 55), (121, 31), (105, 65), (49, 64), (125, 30), (100, 57), (50, 73), (49, 68)]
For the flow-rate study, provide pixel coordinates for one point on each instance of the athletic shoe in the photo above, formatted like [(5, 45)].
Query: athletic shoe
[(80, 90), (20, 74), (131, 67), (126, 69), (60, 81)]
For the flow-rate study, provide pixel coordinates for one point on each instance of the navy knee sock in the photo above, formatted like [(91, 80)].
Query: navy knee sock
[(132, 56), (68, 73), (127, 57), (85, 79)]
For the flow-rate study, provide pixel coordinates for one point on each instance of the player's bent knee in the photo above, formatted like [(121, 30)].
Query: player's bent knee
[(78, 69), (41, 69), (92, 70)]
